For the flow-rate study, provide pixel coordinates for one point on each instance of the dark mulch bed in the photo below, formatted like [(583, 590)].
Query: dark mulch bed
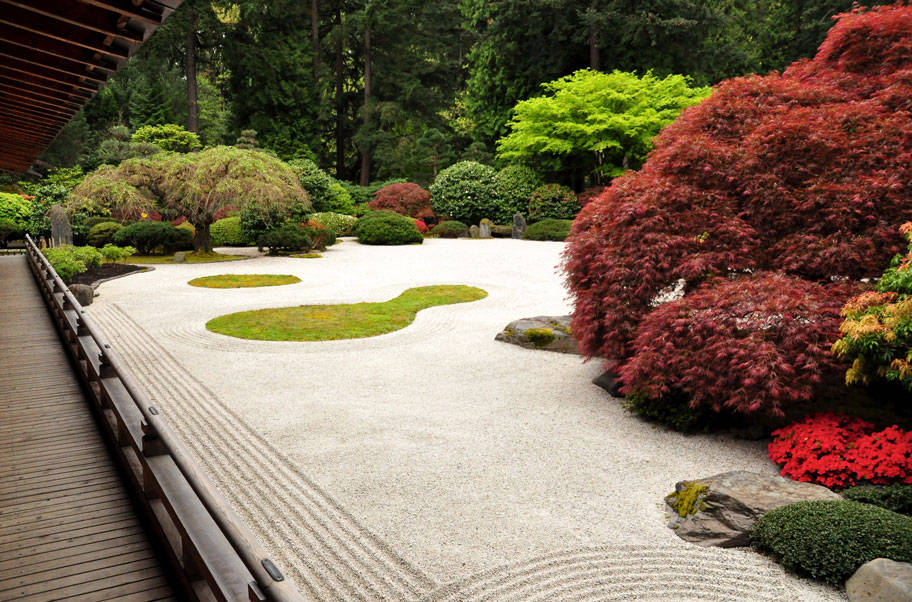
[(105, 270)]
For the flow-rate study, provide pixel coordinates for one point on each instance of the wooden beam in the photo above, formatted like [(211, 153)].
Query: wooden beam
[(55, 30), (14, 95), (63, 50), (31, 106), (80, 15), (135, 10), (52, 63), (15, 112), (49, 75), (62, 91)]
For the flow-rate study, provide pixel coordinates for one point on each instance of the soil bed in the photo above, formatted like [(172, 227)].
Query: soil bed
[(105, 270)]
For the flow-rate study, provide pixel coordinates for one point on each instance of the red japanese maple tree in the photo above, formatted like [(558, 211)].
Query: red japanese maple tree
[(405, 198)]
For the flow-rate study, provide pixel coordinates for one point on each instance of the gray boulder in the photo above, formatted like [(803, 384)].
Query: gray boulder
[(473, 231), (83, 293), (608, 380), (550, 333), (720, 510), (519, 225), (61, 231), (179, 257), (484, 228), (881, 579)]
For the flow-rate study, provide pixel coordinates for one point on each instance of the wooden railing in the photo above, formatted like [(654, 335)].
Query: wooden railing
[(213, 554)]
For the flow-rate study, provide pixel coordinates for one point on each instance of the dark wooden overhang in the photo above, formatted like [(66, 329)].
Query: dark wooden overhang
[(54, 56)]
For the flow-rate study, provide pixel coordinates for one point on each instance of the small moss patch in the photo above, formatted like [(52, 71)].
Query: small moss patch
[(192, 257), (343, 321), (243, 280), (689, 500), (540, 337), (307, 255)]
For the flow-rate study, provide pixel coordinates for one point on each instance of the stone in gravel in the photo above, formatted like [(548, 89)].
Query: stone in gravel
[(720, 510), (608, 380), (83, 293), (484, 228), (519, 225), (180, 257), (549, 333), (881, 579), (501, 231), (61, 232), (473, 231)]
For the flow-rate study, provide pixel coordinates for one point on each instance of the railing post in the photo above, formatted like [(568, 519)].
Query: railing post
[(152, 444)]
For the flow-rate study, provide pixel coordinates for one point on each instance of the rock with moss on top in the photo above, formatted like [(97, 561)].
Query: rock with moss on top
[(547, 333)]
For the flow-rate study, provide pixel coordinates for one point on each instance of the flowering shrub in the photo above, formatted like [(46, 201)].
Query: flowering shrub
[(752, 345), (421, 225), (840, 451), (804, 173), (552, 201), (339, 223), (406, 198), (466, 192)]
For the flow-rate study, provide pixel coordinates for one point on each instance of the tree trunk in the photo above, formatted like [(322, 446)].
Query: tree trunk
[(365, 146), (192, 87), (201, 239), (594, 54), (340, 117)]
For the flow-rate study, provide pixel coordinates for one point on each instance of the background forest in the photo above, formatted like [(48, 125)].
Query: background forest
[(403, 88)]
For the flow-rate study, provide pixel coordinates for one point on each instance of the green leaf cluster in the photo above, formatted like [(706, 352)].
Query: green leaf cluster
[(168, 137)]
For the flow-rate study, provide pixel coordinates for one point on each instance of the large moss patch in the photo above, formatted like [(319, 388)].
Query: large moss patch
[(243, 280)]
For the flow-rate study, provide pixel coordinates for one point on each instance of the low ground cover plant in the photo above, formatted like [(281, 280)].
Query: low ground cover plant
[(343, 321), (406, 199), (831, 540), (549, 229), (243, 280), (451, 229), (386, 228), (150, 237), (69, 261)]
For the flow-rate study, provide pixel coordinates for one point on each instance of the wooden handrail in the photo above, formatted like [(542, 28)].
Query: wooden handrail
[(200, 549)]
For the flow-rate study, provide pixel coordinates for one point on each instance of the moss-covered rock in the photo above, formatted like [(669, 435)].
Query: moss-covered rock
[(549, 333)]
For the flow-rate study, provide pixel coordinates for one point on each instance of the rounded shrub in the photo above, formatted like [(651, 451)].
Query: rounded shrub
[(149, 237), (289, 238), (896, 497), (407, 199), (320, 236), (339, 223), (15, 211), (515, 185), (378, 228), (831, 540), (337, 200), (169, 137), (466, 192), (227, 232), (451, 229), (552, 201), (69, 261), (313, 179), (102, 234), (549, 229)]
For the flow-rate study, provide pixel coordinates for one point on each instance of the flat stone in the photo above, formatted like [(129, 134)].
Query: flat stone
[(549, 333), (83, 293), (519, 225), (721, 510), (883, 580), (484, 228), (180, 257)]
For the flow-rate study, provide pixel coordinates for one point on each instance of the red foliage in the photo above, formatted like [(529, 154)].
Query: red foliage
[(839, 451), (405, 198), (422, 227), (590, 194), (751, 345), (806, 173)]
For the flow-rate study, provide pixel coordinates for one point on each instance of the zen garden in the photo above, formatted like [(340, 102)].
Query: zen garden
[(519, 300)]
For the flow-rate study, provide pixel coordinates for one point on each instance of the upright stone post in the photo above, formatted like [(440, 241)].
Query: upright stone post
[(61, 231), (484, 228), (519, 225)]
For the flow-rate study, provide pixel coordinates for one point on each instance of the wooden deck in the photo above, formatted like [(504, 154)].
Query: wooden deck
[(68, 529)]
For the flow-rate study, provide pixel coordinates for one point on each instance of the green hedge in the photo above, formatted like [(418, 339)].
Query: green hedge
[(227, 232), (549, 229), (387, 228), (896, 497), (103, 233)]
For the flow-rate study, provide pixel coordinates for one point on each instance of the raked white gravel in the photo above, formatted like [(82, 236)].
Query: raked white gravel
[(433, 462)]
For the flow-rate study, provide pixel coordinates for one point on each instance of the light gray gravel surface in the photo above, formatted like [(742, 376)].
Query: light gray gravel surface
[(433, 462)]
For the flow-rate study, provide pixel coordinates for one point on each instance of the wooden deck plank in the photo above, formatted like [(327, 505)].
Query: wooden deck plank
[(67, 526)]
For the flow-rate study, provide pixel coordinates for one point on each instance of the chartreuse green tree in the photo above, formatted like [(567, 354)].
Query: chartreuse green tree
[(195, 186), (169, 137), (595, 125)]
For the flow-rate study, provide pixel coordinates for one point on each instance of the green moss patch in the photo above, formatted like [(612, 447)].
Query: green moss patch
[(343, 321), (243, 280), (191, 257), (689, 500), (307, 255), (540, 337)]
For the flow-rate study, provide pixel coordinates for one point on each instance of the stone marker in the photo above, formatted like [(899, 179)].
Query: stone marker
[(608, 380), (519, 225), (61, 232), (720, 510), (484, 228), (548, 333), (180, 257), (881, 579), (83, 293), (473, 231)]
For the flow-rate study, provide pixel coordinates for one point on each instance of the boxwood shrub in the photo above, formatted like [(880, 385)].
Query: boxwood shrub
[(386, 228), (549, 229), (515, 184), (149, 237), (102, 234), (227, 232), (466, 192), (830, 540), (289, 238), (896, 497), (451, 229)]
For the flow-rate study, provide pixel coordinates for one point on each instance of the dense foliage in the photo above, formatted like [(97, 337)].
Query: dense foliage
[(831, 540), (378, 228), (168, 137), (552, 201), (407, 199), (339, 223), (103, 233), (288, 238), (805, 173), (466, 192), (896, 497), (514, 185), (593, 126), (451, 228), (549, 229), (69, 261), (150, 237), (840, 451), (227, 232), (15, 211)]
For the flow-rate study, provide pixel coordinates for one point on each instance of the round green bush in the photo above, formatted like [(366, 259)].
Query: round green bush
[(515, 185), (313, 179), (227, 232), (451, 229), (148, 237), (290, 238), (102, 234), (896, 497), (169, 137), (552, 201), (549, 229), (381, 228), (69, 261), (830, 540), (466, 192)]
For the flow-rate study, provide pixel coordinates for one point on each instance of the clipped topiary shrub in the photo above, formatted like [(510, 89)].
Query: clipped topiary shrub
[(831, 540), (895, 497), (290, 238), (102, 234), (466, 192), (407, 199), (515, 185), (552, 201), (149, 237), (378, 228), (227, 232), (451, 229), (339, 223), (169, 137), (338, 200), (549, 229)]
